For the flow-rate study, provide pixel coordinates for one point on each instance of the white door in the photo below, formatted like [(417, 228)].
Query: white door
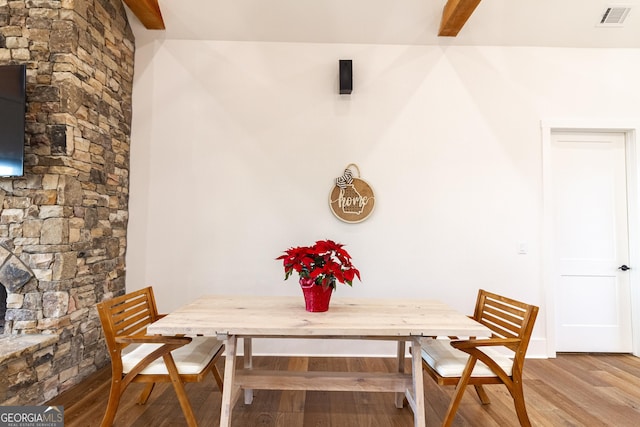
[(593, 305)]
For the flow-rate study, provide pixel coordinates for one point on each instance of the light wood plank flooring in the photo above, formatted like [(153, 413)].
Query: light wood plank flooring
[(571, 390)]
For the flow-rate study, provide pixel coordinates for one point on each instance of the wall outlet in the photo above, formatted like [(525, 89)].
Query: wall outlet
[(523, 248)]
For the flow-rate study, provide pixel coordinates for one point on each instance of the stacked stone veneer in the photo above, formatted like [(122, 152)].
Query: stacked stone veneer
[(63, 224)]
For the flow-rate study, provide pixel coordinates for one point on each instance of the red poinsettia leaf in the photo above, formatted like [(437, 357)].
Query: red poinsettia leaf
[(322, 246), (341, 253), (333, 268), (348, 275)]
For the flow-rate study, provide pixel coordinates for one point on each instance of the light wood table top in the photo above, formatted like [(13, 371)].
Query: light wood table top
[(285, 316), (247, 317)]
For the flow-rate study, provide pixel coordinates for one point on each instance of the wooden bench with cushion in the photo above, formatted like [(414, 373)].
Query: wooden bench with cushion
[(152, 358), (479, 361)]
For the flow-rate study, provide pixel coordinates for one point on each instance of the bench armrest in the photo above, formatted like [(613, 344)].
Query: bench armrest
[(473, 343), (153, 339)]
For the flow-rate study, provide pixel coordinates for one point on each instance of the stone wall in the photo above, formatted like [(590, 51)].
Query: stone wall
[(65, 220)]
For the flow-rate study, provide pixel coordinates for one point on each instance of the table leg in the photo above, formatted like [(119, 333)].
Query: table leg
[(400, 360), (229, 372), (248, 364), (419, 416)]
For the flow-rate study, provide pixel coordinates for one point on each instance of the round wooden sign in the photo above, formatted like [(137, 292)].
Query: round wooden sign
[(351, 199)]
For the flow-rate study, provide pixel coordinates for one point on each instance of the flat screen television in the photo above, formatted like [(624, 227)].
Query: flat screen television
[(12, 119)]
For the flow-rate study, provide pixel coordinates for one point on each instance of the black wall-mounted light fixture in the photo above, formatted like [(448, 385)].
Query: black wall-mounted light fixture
[(346, 76)]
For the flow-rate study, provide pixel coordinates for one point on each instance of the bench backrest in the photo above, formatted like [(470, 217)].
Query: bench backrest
[(507, 318), (127, 315)]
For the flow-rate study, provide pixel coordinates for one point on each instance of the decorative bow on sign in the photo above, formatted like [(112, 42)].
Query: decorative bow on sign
[(344, 180)]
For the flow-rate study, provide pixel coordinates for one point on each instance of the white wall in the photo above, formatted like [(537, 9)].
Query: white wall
[(235, 147)]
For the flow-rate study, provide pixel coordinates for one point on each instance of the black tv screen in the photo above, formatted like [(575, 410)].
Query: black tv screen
[(12, 119)]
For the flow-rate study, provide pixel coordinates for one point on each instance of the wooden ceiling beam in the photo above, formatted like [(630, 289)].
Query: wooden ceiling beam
[(455, 15), (148, 12)]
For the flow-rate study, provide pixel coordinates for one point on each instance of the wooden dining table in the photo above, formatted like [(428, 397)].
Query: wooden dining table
[(230, 317)]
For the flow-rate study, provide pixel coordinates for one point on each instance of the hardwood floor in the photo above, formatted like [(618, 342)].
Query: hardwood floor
[(571, 390)]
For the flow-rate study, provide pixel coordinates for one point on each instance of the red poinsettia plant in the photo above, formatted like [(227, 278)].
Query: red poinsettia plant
[(322, 264)]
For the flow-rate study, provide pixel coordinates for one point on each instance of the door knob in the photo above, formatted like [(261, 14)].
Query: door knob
[(624, 268)]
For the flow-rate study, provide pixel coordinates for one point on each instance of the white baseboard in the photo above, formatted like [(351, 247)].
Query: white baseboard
[(537, 348)]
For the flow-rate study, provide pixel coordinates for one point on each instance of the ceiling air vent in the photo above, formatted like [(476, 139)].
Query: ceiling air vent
[(614, 15)]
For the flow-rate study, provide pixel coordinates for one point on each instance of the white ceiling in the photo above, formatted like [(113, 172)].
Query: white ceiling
[(562, 23)]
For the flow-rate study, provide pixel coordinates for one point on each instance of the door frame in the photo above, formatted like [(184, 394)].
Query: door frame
[(631, 129)]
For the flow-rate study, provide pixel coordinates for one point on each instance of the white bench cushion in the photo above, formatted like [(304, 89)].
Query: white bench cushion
[(450, 362), (190, 359)]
